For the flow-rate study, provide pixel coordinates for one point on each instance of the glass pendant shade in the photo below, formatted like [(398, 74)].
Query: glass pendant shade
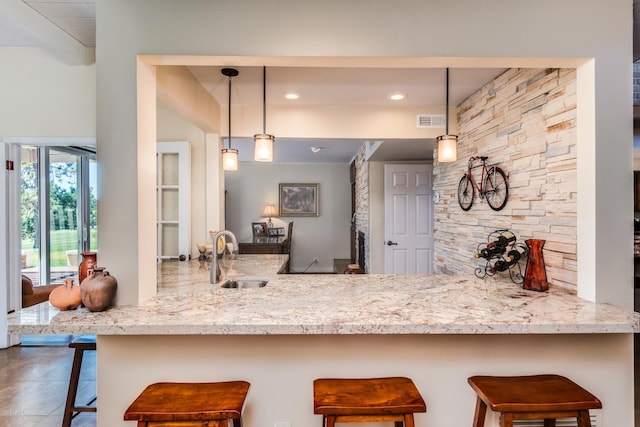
[(263, 147), (229, 159), (447, 148), (229, 155), (447, 144)]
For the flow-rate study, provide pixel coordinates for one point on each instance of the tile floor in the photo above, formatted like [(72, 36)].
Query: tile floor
[(34, 381)]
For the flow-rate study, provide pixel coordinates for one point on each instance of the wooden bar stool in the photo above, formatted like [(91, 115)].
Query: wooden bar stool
[(536, 397), (189, 404), (367, 400), (80, 344)]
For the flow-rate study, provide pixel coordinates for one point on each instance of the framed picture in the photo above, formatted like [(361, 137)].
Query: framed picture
[(276, 231), (259, 229), (299, 199)]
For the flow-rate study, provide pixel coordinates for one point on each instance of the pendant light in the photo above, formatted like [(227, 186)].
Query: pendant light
[(263, 141), (447, 144), (229, 155)]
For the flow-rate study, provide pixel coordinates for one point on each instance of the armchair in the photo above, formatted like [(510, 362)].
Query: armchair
[(34, 295)]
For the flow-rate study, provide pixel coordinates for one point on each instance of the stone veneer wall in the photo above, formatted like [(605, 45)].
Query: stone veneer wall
[(524, 120), (362, 201)]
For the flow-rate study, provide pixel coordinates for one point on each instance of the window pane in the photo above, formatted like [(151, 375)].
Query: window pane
[(63, 222), (29, 208)]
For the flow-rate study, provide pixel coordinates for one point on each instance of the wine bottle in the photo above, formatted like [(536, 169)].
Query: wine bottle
[(512, 257), (492, 249), (505, 239)]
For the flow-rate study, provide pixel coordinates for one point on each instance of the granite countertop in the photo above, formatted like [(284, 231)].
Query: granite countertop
[(290, 304)]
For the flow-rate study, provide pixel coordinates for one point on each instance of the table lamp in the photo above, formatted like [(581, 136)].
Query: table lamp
[(270, 211)]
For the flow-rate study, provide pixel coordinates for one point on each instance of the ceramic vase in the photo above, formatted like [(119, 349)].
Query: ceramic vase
[(89, 259), (535, 276), (66, 297), (98, 290)]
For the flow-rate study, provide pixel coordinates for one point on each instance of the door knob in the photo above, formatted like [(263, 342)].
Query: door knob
[(390, 243)]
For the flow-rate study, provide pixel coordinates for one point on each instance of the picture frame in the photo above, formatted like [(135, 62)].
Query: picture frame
[(299, 199), (259, 229), (276, 231)]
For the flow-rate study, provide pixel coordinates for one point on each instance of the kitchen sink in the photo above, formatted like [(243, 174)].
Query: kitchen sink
[(244, 284)]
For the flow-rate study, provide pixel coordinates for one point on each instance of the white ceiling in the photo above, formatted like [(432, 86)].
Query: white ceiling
[(66, 27)]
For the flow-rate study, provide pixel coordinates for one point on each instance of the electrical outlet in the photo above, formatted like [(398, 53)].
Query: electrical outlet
[(283, 424), (315, 260)]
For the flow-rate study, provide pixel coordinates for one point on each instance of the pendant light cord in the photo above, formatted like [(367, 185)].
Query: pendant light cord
[(446, 125), (229, 112), (264, 100)]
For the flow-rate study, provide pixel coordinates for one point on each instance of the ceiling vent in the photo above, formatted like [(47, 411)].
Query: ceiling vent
[(431, 121)]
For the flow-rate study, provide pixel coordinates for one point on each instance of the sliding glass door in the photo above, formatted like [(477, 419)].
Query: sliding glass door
[(58, 211)]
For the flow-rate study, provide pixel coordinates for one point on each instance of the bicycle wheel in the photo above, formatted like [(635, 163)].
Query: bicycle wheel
[(466, 193), (496, 188)]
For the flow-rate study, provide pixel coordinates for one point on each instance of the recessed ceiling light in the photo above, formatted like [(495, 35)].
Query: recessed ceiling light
[(396, 96), (291, 96)]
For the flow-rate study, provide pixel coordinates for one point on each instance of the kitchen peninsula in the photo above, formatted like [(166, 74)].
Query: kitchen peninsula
[(436, 329)]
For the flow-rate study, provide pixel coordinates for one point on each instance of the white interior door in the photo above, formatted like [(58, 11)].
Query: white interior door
[(408, 201), (174, 200)]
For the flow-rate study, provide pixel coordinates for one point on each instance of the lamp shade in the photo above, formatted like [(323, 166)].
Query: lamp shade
[(263, 147), (270, 211), (447, 148), (229, 159)]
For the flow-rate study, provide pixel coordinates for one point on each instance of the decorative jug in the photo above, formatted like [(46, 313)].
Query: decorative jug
[(66, 297), (98, 290)]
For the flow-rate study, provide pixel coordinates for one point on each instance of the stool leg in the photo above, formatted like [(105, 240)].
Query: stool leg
[(331, 421), (506, 419), (549, 422), (480, 413), (408, 421), (237, 422), (73, 387), (583, 419)]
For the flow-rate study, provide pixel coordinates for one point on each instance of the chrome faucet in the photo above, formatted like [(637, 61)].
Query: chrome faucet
[(214, 274)]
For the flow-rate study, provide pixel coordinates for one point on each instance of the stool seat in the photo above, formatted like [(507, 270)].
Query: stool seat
[(367, 400), (532, 397), (179, 403)]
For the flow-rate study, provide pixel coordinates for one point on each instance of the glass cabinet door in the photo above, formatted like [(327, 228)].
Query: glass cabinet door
[(173, 198)]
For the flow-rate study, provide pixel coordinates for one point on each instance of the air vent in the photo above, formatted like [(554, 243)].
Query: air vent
[(430, 121)]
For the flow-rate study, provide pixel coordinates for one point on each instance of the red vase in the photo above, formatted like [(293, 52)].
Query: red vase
[(89, 259), (535, 276)]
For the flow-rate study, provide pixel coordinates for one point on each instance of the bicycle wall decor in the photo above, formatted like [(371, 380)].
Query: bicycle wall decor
[(493, 185)]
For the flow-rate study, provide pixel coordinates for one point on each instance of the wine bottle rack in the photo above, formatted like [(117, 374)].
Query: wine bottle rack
[(502, 253)]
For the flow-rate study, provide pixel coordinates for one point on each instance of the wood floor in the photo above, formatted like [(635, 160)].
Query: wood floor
[(34, 381)]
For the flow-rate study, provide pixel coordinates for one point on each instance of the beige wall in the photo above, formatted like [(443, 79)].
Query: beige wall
[(525, 122), (326, 236), (41, 97)]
